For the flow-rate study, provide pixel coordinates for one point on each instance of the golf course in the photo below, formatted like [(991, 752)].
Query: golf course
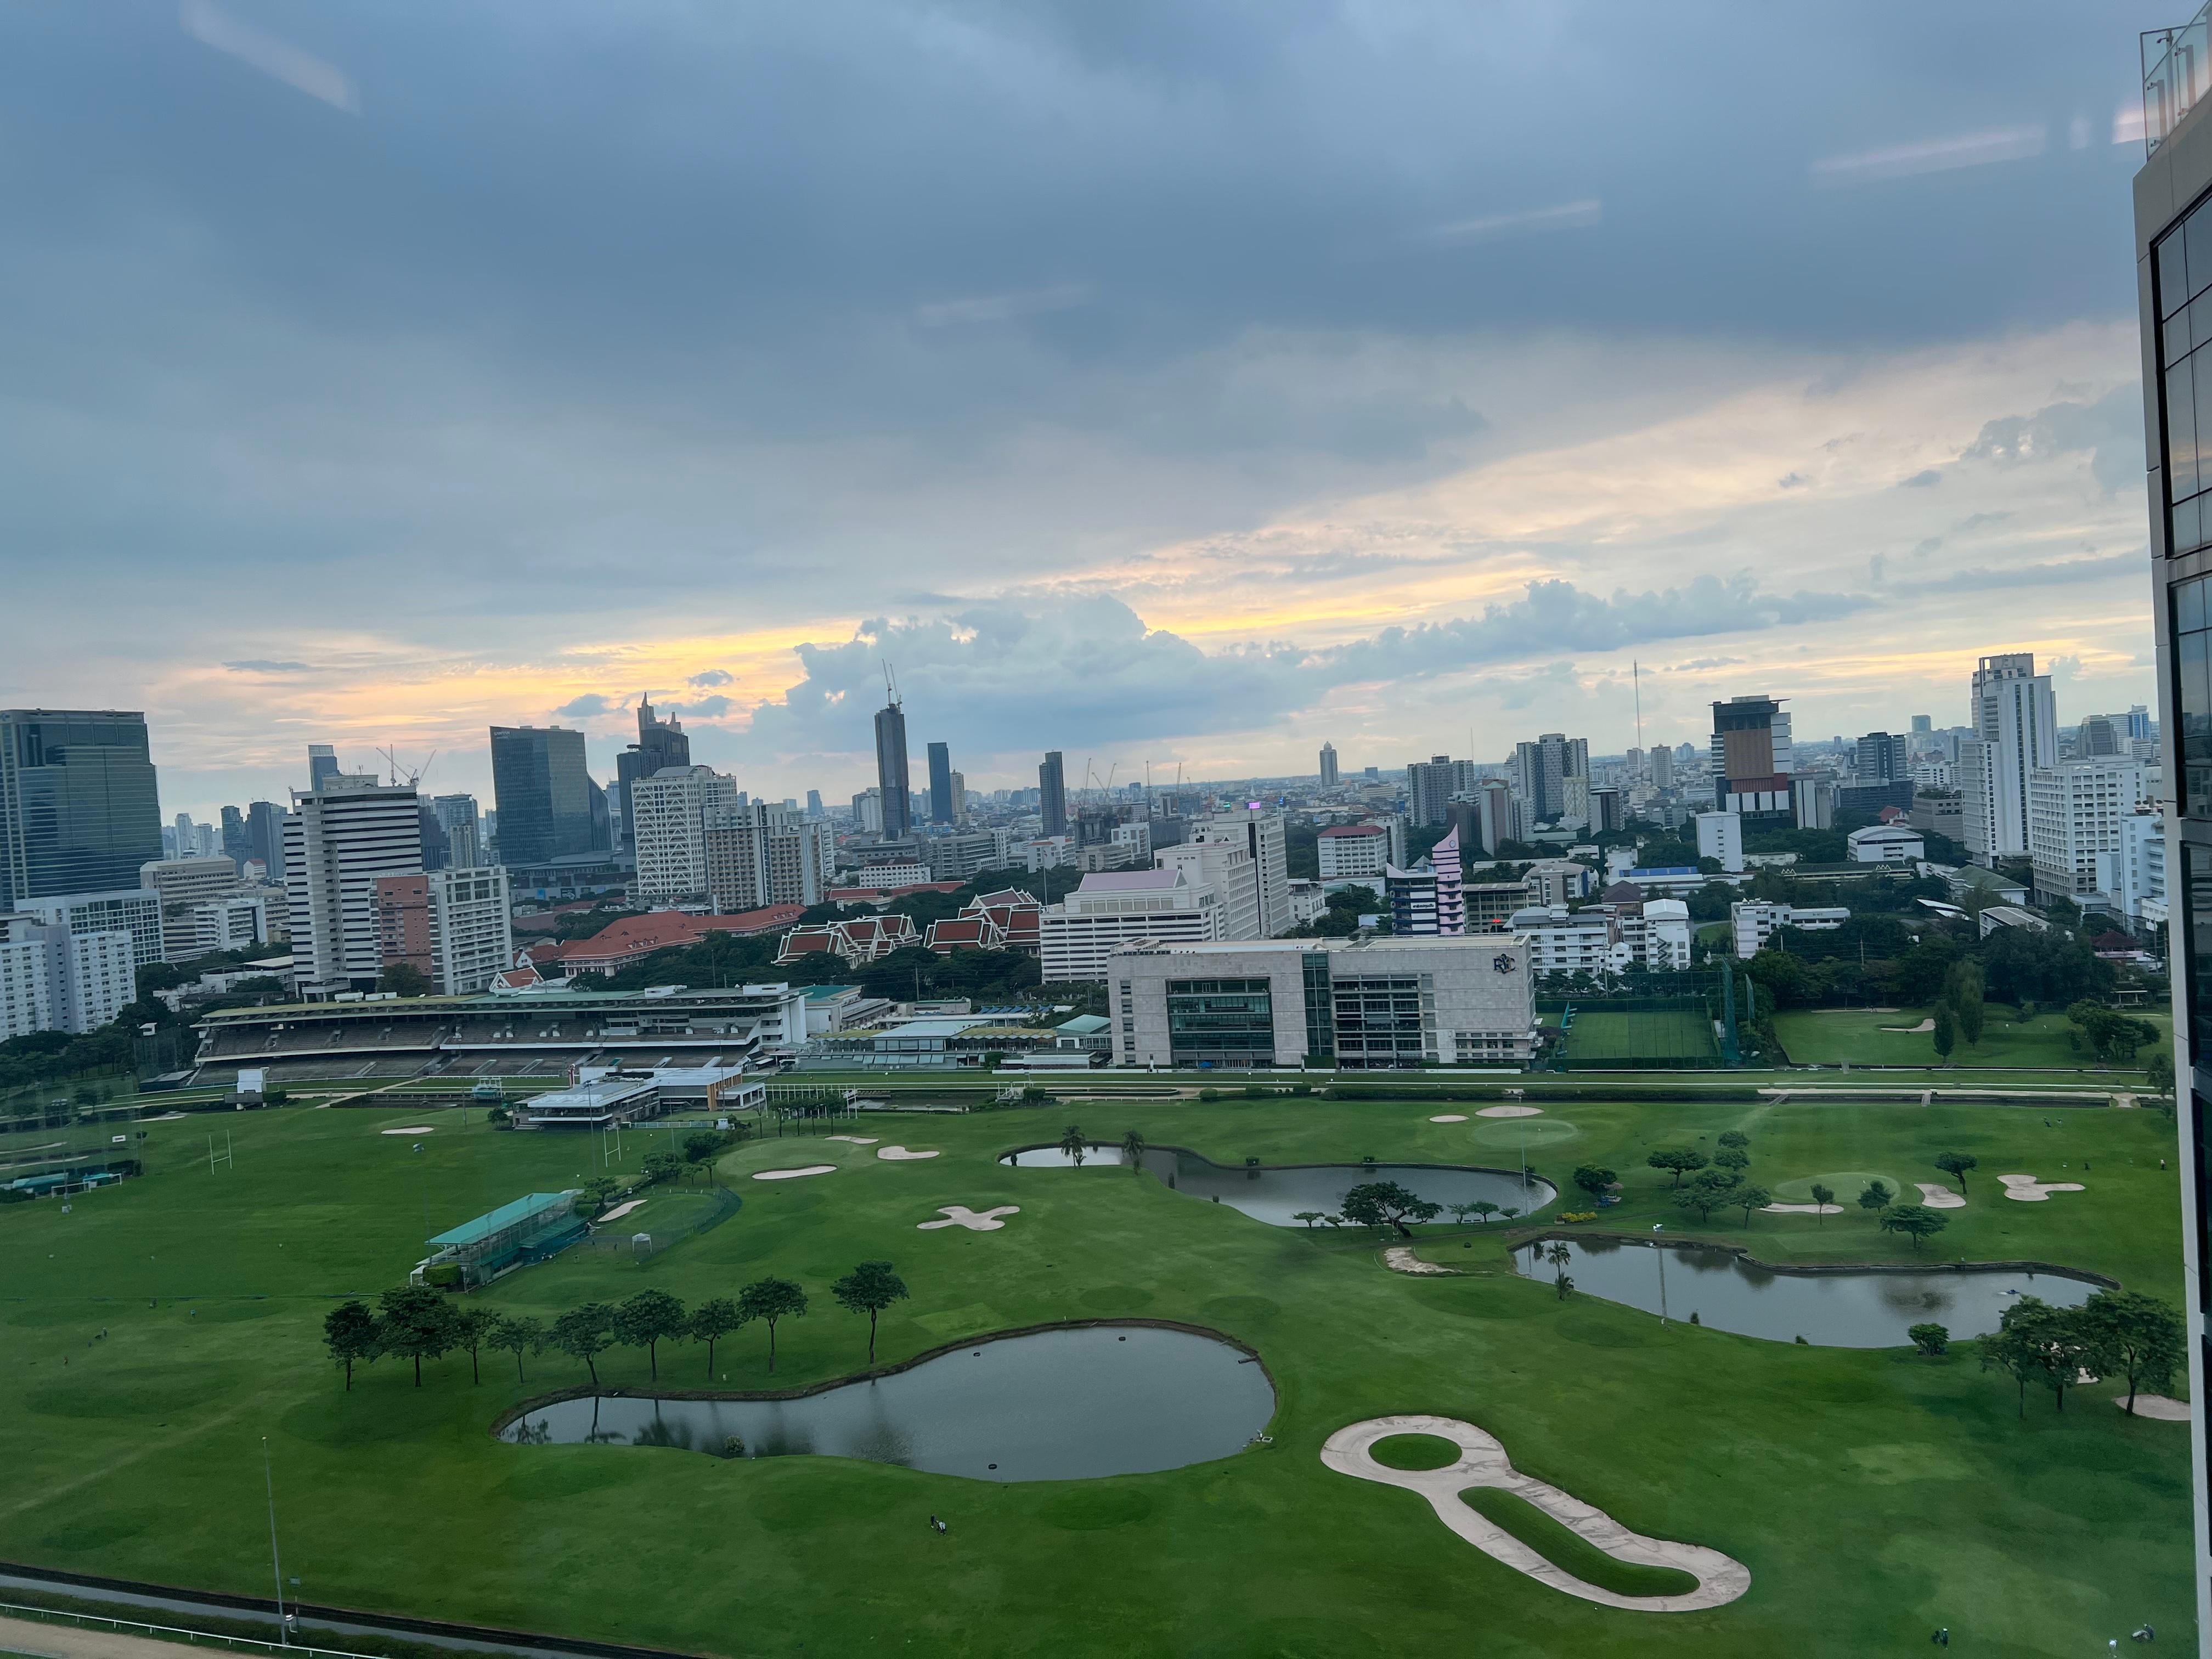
[(154, 1333)]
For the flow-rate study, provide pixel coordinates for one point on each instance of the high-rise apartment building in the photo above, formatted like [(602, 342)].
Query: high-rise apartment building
[(669, 812), (2173, 255), (543, 793), (2077, 815), (338, 841), (1541, 773), (135, 911), (54, 980), (1226, 867), (79, 809), (891, 770), (322, 762), (235, 844), (463, 824), (452, 926), (757, 854), (660, 743), (1882, 758), (1429, 789), (1052, 795), (1260, 833), (1751, 760), (2015, 727), (1328, 766), (1662, 762), (184, 886)]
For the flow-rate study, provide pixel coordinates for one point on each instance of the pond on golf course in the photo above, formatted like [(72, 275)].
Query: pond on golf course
[(1867, 1308), (1276, 1194), (1066, 1404)]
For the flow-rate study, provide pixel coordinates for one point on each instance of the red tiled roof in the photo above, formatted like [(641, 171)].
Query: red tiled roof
[(863, 895)]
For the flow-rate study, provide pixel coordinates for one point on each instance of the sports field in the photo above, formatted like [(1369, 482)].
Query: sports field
[(152, 1336), (1600, 1034)]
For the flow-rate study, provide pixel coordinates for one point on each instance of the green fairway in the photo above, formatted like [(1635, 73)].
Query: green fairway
[(1873, 1494), (1864, 1036)]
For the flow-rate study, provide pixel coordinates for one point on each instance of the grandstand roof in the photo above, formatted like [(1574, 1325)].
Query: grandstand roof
[(508, 1215)]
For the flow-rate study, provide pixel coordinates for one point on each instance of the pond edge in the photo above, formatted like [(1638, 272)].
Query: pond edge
[(1239, 1168), (1816, 1269), (507, 1419)]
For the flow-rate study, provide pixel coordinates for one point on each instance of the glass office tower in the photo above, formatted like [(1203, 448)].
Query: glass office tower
[(2174, 273), (79, 810), (544, 794)]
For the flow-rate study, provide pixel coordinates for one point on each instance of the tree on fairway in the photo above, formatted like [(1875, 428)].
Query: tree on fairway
[(2141, 1338), (1962, 990), (1701, 1200), (416, 1323), (1595, 1179), (1560, 1255), (1916, 1221), (648, 1320), (1681, 1159), (1931, 1340), (1484, 1209), (350, 1333), (664, 1166), (585, 1334), (2160, 1070), (1732, 1158), (1073, 1145), (518, 1335), (2036, 1342), (472, 1326), (710, 1323), (1386, 1203), (869, 1288), (1946, 1031), (1133, 1150), (1822, 1197), (1956, 1164), (1510, 1211), (1309, 1216), (701, 1148), (770, 1299), (1749, 1199), (1735, 1137), (1876, 1196)]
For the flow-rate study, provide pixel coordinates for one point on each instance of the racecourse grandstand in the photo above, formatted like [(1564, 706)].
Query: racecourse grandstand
[(540, 1034)]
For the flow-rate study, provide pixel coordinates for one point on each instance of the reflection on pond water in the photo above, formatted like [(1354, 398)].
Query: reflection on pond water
[(1863, 1309), (1064, 1404), (1275, 1193)]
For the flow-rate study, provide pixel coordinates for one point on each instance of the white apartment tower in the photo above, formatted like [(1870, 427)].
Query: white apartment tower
[(340, 838), (758, 854), (2078, 815), (2015, 725), (54, 980), (668, 827), (1225, 868)]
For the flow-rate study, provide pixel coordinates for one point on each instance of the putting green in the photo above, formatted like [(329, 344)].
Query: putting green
[(1846, 1184), (1530, 1131), (1414, 1451)]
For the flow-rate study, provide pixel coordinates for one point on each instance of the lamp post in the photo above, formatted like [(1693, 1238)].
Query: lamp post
[(1661, 1251), (276, 1566)]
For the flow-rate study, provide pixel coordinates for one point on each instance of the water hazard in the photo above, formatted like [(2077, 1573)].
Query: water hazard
[(1851, 1310), (1070, 1405), (1276, 1195)]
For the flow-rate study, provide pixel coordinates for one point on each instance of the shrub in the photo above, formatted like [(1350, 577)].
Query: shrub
[(1209, 1094), (1579, 1215), (445, 1276), (1931, 1340)]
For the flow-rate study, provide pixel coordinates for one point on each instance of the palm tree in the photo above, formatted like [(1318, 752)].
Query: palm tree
[(1560, 1255), (1073, 1145), (1133, 1150)]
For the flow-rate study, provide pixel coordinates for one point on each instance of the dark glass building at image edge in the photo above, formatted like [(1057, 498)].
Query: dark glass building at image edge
[(2173, 276)]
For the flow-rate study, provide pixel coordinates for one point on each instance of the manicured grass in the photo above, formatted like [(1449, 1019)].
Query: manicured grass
[(1600, 1034), (1414, 1451), (1570, 1552), (1873, 1495), (1829, 1036)]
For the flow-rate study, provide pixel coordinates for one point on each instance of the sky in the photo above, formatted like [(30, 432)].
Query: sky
[(1165, 383)]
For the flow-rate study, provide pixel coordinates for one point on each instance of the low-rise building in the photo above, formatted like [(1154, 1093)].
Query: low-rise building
[(858, 940), (1886, 843), (1354, 1004), (1111, 909), (1754, 921), (1491, 904), (1561, 941), (1560, 881)]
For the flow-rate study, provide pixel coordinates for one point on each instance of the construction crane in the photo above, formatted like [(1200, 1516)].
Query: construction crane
[(891, 684), (414, 774)]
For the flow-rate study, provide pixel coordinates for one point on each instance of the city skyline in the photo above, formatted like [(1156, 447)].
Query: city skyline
[(1087, 496)]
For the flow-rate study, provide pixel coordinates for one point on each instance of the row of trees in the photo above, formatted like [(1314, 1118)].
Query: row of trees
[(416, 1323)]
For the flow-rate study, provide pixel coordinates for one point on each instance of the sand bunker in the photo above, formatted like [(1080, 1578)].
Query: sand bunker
[(1937, 1196), (1450, 1117), (1924, 1025), (411, 1129), (2028, 1190), (2157, 1406), (792, 1175), (1399, 1258), (1801, 1209), (1483, 1462), (900, 1154), (1511, 1111), (975, 1221), (622, 1209), (858, 1141)]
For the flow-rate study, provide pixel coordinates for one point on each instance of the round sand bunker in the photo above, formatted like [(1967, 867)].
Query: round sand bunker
[(1511, 1111), (1450, 1117)]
